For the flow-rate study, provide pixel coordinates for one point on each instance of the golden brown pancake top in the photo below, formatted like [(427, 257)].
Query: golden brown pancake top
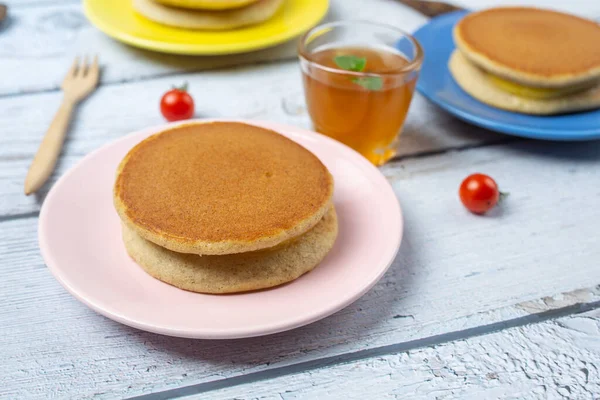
[(221, 181), (535, 41)]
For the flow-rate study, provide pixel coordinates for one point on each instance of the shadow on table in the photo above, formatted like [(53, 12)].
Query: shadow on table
[(430, 130), (366, 317), (7, 23), (370, 318), (153, 64), (581, 152)]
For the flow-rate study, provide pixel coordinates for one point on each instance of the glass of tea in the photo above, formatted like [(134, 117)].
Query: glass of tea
[(359, 78)]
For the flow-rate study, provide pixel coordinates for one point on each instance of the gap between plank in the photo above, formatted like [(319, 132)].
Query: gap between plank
[(375, 352), (150, 78), (39, 3), (32, 214)]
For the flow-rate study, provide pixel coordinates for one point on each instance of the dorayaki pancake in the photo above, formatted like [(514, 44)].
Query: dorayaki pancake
[(251, 14), (207, 4), (221, 188), (235, 272), (478, 84), (534, 47)]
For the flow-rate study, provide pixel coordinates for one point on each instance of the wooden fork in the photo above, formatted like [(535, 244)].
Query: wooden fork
[(80, 81)]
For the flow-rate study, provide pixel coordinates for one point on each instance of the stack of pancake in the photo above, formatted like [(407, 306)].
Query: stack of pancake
[(224, 207), (207, 14), (528, 60)]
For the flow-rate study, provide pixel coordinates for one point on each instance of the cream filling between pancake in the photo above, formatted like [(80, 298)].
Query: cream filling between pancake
[(535, 92), (475, 82), (531, 92)]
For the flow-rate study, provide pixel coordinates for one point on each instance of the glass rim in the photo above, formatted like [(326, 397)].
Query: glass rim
[(411, 66)]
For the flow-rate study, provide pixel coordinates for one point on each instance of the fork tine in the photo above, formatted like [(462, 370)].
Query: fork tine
[(74, 68), (94, 69), (85, 65)]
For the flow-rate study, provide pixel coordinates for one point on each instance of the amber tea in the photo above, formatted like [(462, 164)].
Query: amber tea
[(359, 95)]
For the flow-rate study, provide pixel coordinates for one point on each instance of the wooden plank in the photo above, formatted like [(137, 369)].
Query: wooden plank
[(40, 43), (35, 3), (455, 271), (552, 360), (268, 92)]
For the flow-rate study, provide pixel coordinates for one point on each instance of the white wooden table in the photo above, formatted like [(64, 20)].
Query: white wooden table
[(504, 306)]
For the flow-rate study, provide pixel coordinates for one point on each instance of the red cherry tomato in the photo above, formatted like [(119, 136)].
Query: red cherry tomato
[(479, 193), (177, 104)]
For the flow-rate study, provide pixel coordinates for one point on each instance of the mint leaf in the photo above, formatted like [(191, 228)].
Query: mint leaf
[(369, 82), (358, 64), (351, 63)]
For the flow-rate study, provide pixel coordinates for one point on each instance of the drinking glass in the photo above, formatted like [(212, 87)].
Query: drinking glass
[(359, 79)]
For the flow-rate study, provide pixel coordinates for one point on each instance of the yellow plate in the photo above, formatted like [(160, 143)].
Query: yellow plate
[(117, 19)]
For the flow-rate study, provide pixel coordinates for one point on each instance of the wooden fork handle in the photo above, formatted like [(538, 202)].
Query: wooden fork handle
[(45, 159), (430, 8)]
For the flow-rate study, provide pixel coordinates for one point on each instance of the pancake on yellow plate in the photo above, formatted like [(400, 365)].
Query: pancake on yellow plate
[(235, 272), (251, 14), (207, 4), (528, 60), (221, 188)]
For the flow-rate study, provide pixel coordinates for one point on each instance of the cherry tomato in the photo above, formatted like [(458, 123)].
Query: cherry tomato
[(177, 104), (479, 193)]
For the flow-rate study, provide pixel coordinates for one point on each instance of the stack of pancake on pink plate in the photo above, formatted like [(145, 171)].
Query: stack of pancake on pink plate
[(224, 207), (207, 14)]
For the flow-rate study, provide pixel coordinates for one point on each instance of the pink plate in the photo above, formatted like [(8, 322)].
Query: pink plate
[(80, 239)]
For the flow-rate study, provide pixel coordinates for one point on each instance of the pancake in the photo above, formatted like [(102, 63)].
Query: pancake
[(534, 47), (254, 13), (221, 188), (236, 272), (207, 4), (477, 83)]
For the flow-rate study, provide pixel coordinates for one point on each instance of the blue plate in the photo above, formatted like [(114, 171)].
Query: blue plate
[(436, 83)]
